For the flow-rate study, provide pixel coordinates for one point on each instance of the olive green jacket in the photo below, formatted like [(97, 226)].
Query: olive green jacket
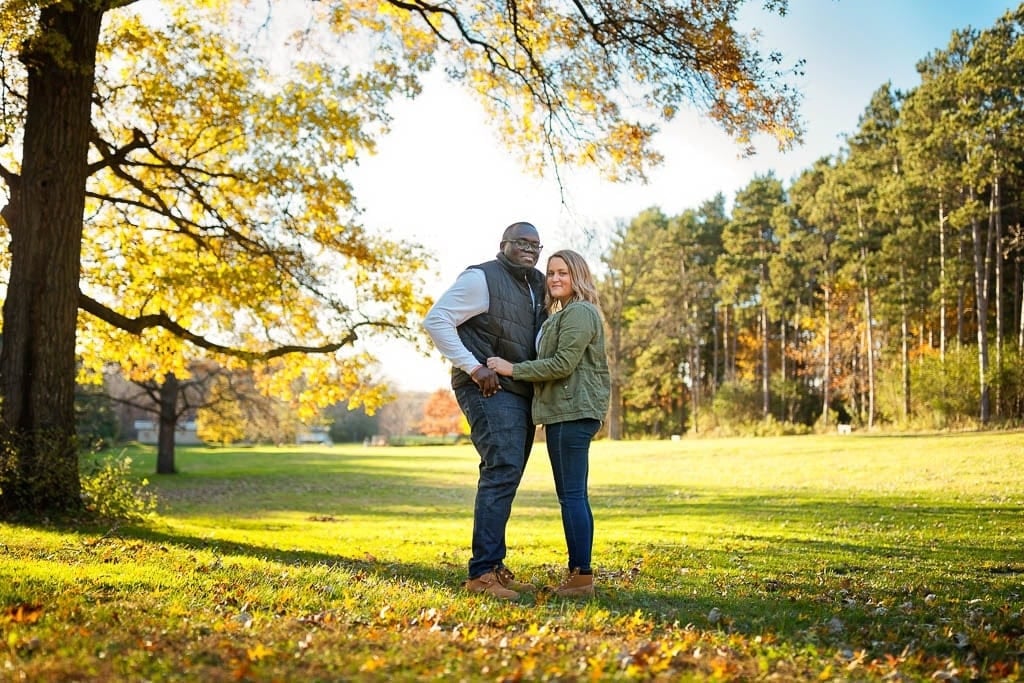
[(571, 371)]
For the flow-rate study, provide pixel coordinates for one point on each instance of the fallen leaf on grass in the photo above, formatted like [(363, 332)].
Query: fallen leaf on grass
[(372, 664), (325, 617), (23, 613), (258, 652)]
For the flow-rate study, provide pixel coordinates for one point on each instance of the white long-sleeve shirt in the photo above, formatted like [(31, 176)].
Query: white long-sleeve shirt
[(467, 297)]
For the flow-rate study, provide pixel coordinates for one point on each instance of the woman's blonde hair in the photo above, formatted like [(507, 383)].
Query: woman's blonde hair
[(583, 287)]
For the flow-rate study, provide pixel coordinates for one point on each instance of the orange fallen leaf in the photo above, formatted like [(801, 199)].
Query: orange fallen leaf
[(24, 613), (372, 664)]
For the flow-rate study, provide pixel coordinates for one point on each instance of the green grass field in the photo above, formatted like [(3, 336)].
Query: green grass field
[(795, 558)]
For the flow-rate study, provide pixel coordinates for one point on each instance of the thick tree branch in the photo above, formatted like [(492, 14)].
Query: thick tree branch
[(113, 156), (9, 176), (162, 320)]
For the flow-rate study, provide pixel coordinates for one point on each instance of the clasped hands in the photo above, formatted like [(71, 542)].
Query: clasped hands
[(486, 376)]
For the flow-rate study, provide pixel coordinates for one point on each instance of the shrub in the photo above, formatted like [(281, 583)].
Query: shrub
[(111, 492), (736, 403)]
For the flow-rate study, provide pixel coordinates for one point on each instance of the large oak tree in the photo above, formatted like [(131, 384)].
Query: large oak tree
[(134, 139)]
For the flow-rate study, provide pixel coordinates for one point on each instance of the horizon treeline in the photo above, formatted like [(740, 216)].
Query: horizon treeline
[(882, 285)]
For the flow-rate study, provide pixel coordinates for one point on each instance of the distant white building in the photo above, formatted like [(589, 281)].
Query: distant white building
[(313, 435), (184, 435)]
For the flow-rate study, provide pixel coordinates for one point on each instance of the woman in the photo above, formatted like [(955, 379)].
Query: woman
[(570, 399)]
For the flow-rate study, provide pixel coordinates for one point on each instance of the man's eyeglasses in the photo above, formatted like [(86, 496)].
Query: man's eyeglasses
[(526, 245)]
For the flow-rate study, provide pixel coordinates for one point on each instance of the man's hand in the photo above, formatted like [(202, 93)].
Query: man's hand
[(487, 380)]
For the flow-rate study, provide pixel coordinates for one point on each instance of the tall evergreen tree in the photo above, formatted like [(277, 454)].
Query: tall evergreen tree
[(807, 264), (872, 157), (748, 243)]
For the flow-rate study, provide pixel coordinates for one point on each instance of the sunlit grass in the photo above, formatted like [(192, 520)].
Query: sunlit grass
[(799, 557)]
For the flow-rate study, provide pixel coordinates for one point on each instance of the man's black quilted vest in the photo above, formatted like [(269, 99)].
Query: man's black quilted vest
[(509, 327)]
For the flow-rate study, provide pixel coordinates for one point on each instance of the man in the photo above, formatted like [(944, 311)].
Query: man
[(494, 309)]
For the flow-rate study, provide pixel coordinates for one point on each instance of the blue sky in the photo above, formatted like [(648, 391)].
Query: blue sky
[(440, 177)]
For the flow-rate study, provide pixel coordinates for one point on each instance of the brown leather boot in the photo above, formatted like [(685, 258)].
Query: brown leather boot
[(576, 586), (488, 583), (508, 580)]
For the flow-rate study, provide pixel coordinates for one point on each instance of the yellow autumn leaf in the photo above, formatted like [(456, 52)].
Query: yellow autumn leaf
[(258, 652), (372, 664)]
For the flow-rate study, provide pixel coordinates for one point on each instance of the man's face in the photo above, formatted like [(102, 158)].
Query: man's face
[(522, 247)]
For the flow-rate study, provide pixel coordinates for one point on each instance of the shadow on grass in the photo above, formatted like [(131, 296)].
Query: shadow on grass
[(830, 604), (752, 583), (423, 573)]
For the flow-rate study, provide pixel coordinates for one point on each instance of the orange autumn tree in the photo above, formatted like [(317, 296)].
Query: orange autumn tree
[(164, 180), (442, 415)]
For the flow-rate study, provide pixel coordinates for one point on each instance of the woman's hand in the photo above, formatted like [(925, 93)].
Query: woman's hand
[(500, 366)]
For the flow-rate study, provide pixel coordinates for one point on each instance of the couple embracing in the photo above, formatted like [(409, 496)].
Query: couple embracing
[(526, 349)]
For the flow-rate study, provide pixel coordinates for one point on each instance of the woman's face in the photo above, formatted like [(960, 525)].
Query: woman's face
[(559, 279)]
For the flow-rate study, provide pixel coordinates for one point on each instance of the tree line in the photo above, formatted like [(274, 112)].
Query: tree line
[(884, 284)]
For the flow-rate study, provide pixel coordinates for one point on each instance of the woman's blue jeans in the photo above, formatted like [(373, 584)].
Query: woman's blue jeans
[(569, 452), (502, 431)]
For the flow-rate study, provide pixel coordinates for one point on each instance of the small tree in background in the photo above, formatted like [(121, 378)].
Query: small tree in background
[(401, 415), (351, 425), (442, 415)]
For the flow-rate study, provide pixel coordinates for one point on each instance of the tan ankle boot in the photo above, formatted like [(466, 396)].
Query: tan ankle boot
[(488, 583), (508, 580), (576, 586)]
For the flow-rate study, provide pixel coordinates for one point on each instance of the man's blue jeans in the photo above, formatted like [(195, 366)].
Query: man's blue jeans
[(502, 431), (569, 452)]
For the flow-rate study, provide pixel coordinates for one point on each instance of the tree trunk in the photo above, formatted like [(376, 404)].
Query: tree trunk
[(981, 307), (827, 371), (615, 412), (869, 338), (904, 343), (961, 290), (1020, 320), (869, 357), (728, 364), (696, 382), (765, 366), (713, 384), (783, 366), (615, 416), (44, 217), (996, 238), (942, 285), (168, 425)]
